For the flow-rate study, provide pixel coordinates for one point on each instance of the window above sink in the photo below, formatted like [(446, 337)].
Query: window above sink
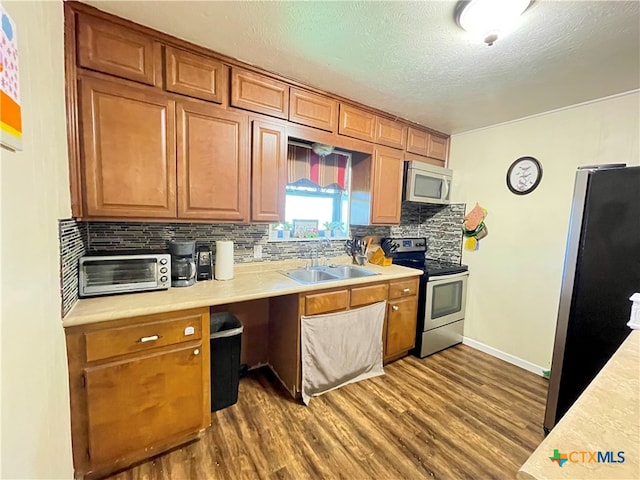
[(317, 194)]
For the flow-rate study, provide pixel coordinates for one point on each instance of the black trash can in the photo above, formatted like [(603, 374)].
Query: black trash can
[(226, 337)]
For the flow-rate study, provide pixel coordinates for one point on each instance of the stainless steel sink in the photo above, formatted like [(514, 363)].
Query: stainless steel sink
[(327, 274), (347, 271)]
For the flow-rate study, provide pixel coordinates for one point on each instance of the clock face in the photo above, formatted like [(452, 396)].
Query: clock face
[(524, 175)]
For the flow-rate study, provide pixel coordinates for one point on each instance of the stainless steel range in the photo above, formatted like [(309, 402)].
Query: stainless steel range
[(442, 296)]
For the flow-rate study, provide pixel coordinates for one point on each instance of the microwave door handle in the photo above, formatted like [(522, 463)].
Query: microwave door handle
[(446, 188)]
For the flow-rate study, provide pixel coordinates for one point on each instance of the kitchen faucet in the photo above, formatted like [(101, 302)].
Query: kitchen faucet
[(314, 254)]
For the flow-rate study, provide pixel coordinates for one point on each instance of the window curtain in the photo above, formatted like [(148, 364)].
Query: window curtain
[(304, 166)]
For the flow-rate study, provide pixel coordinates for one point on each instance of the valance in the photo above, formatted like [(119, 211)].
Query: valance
[(327, 171)]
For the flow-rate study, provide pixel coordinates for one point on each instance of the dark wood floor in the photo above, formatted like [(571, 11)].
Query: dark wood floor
[(457, 414)]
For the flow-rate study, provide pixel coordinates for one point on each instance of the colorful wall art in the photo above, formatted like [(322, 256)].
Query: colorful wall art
[(10, 111)]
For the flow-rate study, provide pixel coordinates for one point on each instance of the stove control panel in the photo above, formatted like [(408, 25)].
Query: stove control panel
[(406, 245)]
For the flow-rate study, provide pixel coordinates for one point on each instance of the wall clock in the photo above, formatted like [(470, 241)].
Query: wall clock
[(524, 175)]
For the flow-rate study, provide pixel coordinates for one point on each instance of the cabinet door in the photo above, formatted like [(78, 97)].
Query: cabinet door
[(258, 93), (269, 172), (135, 404), (313, 110), (195, 75), (417, 141), (438, 147), (111, 48), (128, 150), (387, 186), (213, 163), (356, 123), (390, 133), (401, 325)]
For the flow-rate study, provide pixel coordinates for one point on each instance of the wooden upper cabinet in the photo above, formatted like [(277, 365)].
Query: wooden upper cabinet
[(269, 172), (390, 133), (128, 150), (356, 123), (258, 93), (427, 144), (111, 48), (213, 163), (386, 194), (313, 110), (438, 147), (417, 141), (195, 75)]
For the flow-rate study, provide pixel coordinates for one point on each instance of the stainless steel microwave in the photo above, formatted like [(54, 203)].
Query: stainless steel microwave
[(107, 274), (426, 183)]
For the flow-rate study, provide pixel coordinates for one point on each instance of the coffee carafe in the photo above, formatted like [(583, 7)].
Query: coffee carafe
[(183, 263)]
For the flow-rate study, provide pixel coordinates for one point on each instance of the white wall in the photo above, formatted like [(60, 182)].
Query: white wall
[(35, 429), (516, 274)]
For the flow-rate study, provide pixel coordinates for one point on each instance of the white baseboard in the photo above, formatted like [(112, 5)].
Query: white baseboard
[(507, 357)]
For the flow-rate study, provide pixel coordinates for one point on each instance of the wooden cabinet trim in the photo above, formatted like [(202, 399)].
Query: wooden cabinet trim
[(313, 110), (195, 75), (420, 158), (255, 92)]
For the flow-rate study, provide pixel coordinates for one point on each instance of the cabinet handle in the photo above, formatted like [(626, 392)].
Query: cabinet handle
[(152, 338), (196, 351), (406, 290), (395, 308)]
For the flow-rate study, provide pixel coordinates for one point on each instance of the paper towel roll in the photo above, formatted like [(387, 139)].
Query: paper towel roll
[(224, 260)]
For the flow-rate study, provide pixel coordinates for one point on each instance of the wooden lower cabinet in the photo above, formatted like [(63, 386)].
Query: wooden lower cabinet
[(398, 333), (150, 394), (401, 326)]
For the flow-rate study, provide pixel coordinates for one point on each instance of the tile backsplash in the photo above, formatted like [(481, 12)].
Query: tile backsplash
[(73, 245), (441, 225)]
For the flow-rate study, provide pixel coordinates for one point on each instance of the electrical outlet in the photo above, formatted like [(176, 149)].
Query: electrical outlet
[(257, 252)]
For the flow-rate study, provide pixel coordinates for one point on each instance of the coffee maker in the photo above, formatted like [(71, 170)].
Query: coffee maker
[(183, 263)]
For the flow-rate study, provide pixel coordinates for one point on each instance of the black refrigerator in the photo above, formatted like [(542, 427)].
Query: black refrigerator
[(601, 271)]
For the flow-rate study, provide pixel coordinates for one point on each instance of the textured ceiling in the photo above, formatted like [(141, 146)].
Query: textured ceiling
[(412, 60)]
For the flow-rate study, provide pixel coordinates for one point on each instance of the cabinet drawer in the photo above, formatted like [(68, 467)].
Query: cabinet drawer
[(194, 75), (326, 302), (356, 123), (112, 342), (259, 93), (390, 133), (403, 288), (368, 294), (313, 110), (111, 48)]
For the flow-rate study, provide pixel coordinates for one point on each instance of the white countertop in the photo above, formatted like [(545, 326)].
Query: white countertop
[(605, 418), (251, 281)]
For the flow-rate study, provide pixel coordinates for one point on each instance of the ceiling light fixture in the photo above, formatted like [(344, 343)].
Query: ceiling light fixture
[(490, 19), (322, 149)]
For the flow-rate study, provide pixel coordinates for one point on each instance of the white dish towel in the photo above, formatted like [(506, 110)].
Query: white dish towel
[(634, 320), (341, 348)]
